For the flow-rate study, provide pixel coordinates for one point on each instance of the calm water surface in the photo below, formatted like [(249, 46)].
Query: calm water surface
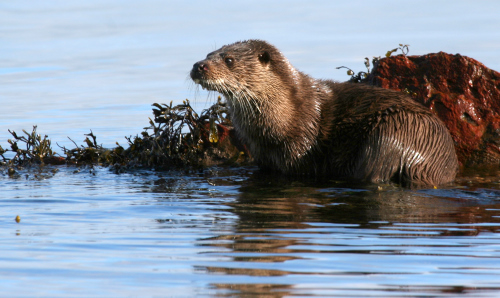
[(74, 66), (238, 233)]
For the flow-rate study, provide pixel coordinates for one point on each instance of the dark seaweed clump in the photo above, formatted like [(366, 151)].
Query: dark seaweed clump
[(176, 137), (28, 148)]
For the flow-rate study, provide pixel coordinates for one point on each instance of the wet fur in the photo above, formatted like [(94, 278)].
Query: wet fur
[(299, 125)]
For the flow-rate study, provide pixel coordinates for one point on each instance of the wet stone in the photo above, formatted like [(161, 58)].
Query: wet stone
[(464, 93)]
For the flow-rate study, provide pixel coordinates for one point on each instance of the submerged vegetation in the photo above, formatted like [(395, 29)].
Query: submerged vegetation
[(177, 136)]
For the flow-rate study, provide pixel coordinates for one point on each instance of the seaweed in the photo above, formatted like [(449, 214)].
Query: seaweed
[(28, 149), (404, 48), (361, 76), (176, 137)]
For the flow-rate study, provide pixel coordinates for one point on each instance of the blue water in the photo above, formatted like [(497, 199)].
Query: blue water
[(233, 232), (74, 66)]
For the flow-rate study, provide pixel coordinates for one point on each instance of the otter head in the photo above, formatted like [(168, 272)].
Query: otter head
[(273, 107), (250, 74)]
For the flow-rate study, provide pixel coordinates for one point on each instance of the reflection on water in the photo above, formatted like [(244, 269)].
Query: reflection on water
[(297, 239), (236, 232)]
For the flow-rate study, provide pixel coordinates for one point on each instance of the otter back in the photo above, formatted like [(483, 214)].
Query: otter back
[(298, 125)]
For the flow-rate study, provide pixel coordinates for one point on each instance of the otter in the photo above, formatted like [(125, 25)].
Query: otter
[(298, 125)]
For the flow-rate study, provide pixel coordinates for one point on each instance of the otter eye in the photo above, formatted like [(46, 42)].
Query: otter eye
[(264, 57), (229, 61)]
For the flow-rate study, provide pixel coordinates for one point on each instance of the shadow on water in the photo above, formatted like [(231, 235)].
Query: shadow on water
[(340, 238)]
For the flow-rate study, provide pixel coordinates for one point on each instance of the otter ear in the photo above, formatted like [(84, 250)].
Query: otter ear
[(264, 57)]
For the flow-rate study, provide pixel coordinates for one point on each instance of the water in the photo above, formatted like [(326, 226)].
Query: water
[(235, 232), (72, 66)]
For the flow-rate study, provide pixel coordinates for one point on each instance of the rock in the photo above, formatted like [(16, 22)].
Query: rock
[(461, 91)]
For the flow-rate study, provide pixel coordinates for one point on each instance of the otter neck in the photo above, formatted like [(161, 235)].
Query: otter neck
[(287, 125), (263, 116)]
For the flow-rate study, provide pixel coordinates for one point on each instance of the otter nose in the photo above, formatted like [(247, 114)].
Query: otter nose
[(200, 66)]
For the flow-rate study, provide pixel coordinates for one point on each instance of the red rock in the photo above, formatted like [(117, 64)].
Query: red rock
[(463, 92)]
